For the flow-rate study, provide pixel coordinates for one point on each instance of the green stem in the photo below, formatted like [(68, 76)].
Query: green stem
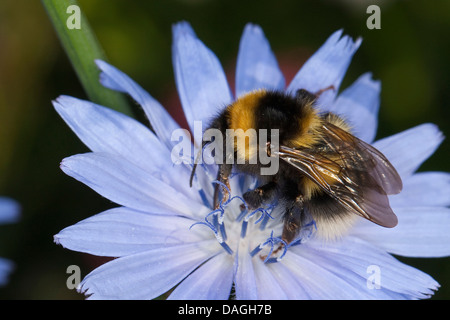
[(83, 48)]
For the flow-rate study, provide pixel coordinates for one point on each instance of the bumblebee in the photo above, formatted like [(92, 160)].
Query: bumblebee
[(325, 172)]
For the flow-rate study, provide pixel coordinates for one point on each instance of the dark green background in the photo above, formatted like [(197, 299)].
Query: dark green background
[(410, 55)]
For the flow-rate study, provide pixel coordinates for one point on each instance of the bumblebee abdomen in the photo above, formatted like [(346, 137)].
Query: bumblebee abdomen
[(332, 219)]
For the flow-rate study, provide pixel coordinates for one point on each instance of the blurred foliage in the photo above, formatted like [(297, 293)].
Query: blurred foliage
[(409, 54)]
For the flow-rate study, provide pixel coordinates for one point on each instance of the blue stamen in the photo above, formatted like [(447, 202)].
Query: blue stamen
[(312, 223), (215, 221), (265, 214), (223, 231), (226, 247), (241, 215), (204, 198), (263, 223), (271, 260), (208, 169), (208, 224), (253, 213), (272, 241), (229, 200), (238, 197), (214, 212), (272, 244), (285, 246), (233, 174), (244, 229), (256, 250)]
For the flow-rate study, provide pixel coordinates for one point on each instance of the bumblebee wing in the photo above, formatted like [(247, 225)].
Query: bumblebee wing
[(355, 151), (352, 172)]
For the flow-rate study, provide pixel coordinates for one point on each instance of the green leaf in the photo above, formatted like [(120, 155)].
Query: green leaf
[(82, 48)]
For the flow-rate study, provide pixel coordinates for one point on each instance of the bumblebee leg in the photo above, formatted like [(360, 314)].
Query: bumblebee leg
[(255, 198), (292, 220), (304, 96), (318, 93), (222, 176)]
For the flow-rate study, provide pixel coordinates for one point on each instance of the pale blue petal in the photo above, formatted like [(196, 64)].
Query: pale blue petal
[(6, 267), (245, 277), (326, 67), (211, 281), (288, 282), (407, 150), (354, 283), (355, 261), (120, 181), (424, 189), (9, 210), (267, 285), (312, 275), (148, 274), (200, 79), (161, 121), (421, 232), (104, 130), (359, 105), (257, 67), (122, 231)]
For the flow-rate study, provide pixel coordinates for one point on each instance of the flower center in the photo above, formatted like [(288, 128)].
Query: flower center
[(258, 232)]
